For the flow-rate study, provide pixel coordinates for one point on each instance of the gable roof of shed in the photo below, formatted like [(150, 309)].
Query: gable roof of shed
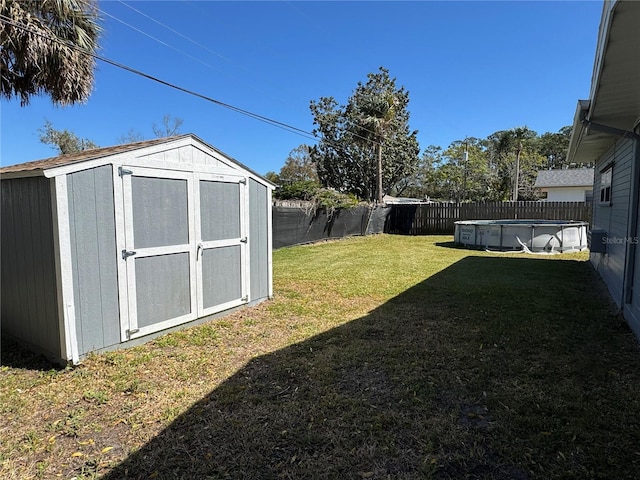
[(76, 157), (102, 152), (573, 177)]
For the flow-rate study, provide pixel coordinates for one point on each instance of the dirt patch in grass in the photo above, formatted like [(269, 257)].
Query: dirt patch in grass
[(380, 357)]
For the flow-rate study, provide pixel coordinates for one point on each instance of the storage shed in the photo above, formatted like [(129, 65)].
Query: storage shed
[(105, 248)]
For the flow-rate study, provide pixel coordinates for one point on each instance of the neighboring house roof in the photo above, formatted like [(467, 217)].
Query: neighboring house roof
[(39, 166), (573, 177), (614, 100)]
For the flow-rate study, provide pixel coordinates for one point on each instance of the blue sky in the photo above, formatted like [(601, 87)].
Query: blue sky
[(471, 69)]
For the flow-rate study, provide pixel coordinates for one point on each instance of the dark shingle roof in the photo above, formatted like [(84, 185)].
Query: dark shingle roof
[(573, 177), (91, 154)]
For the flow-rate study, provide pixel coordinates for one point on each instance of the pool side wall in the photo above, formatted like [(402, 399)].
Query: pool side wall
[(535, 235)]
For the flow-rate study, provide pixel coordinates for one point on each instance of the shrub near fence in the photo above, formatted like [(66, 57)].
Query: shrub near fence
[(440, 218)]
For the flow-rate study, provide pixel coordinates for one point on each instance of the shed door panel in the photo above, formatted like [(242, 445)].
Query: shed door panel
[(160, 211), (221, 276), (222, 243), (163, 291), (160, 252)]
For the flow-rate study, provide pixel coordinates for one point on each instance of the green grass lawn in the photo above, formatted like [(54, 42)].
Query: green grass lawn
[(385, 357)]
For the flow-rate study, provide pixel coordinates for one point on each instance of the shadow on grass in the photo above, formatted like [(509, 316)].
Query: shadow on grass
[(15, 355), (503, 368), (450, 244)]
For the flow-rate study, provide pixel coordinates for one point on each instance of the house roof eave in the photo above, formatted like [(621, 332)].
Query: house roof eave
[(614, 100)]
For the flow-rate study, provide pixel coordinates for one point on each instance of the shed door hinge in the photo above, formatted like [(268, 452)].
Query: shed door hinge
[(243, 181), (132, 331), (245, 298), (127, 253), (123, 171), (243, 240)]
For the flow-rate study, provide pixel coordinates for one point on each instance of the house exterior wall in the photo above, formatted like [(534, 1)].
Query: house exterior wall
[(93, 258), (631, 309), (28, 284), (612, 217), (259, 201), (566, 194)]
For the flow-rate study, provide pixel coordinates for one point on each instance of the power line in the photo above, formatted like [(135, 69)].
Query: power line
[(174, 31), (362, 128), (204, 47), (256, 116), (156, 39), (248, 113)]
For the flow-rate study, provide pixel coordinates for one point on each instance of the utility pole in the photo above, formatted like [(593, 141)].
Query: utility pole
[(515, 183), (465, 162)]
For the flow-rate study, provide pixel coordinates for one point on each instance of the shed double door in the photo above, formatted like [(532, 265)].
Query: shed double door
[(185, 246)]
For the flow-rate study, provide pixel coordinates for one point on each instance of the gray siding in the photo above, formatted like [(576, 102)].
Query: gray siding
[(632, 310), (259, 199), (29, 309), (93, 258), (613, 218)]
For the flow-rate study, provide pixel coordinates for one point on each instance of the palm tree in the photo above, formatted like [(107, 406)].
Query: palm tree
[(47, 47), (502, 145), (376, 114)]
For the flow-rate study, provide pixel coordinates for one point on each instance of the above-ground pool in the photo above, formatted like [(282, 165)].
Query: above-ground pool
[(533, 235)]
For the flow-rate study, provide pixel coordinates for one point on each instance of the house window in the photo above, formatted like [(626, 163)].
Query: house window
[(605, 186)]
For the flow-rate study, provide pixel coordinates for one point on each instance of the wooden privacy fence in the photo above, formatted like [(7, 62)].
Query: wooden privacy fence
[(440, 218)]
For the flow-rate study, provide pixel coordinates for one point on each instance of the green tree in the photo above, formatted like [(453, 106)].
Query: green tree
[(298, 178), (374, 115), (43, 45), (347, 156), (422, 182), (553, 147), (64, 141), (273, 177), (487, 171), (514, 159), (470, 172), (298, 167)]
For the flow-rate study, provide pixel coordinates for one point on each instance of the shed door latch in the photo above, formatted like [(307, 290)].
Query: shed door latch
[(123, 171), (127, 253)]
